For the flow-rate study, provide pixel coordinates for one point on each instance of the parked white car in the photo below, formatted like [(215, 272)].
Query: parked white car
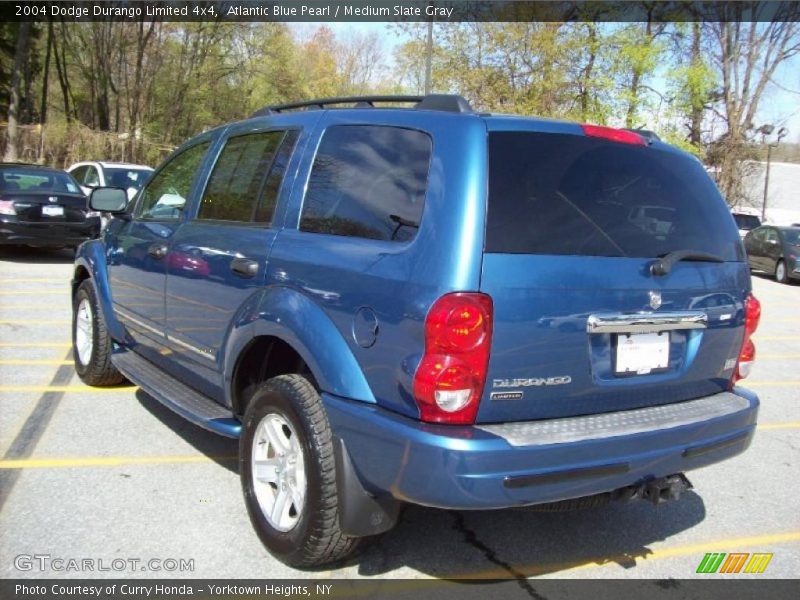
[(101, 174), (746, 221)]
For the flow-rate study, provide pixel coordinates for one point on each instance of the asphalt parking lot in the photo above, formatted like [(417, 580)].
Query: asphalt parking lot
[(109, 474)]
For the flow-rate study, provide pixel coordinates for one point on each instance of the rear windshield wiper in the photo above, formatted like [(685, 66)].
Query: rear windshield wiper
[(401, 222), (664, 264)]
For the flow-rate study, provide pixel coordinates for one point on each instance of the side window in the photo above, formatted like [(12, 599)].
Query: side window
[(368, 182), (164, 196), (266, 204), (79, 174), (233, 189), (771, 235), (92, 178)]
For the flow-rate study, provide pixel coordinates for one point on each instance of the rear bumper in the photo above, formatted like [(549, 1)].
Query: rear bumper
[(48, 234), (485, 467)]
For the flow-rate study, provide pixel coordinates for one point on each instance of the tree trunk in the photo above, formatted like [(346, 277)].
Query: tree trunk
[(696, 114), (61, 69), (20, 55), (586, 74), (45, 77), (636, 79)]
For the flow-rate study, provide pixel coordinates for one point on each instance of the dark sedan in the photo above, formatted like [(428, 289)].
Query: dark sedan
[(774, 250), (41, 206)]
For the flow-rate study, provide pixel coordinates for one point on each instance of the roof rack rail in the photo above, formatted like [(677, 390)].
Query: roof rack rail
[(441, 102)]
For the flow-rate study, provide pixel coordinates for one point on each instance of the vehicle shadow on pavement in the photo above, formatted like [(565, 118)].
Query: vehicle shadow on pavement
[(224, 451), (27, 255), (489, 545), (521, 543)]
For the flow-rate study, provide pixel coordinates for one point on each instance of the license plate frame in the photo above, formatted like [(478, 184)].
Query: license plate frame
[(641, 353), (52, 211)]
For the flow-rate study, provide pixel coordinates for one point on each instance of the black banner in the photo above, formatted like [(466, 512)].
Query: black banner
[(404, 589), (401, 10)]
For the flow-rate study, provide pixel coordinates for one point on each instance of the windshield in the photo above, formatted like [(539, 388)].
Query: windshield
[(576, 195), (21, 179), (747, 222), (126, 178)]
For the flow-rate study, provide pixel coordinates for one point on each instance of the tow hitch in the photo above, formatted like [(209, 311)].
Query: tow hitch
[(658, 490)]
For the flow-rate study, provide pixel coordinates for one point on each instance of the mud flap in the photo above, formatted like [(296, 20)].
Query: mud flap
[(360, 513)]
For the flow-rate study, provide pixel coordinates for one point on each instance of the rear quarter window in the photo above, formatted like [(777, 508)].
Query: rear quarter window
[(575, 195), (368, 181)]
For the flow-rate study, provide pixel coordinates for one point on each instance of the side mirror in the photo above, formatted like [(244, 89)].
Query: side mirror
[(107, 199)]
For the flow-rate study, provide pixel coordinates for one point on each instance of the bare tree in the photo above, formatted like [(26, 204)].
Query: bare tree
[(360, 58), (746, 54), (20, 56)]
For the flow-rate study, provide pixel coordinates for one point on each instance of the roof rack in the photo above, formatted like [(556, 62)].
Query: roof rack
[(441, 102)]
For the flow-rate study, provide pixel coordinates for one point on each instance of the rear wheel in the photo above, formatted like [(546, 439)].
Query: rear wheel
[(288, 474), (780, 272), (91, 344)]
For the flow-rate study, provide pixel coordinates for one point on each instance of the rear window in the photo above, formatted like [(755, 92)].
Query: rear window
[(575, 195), (746, 222), (20, 179), (792, 236), (126, 178)]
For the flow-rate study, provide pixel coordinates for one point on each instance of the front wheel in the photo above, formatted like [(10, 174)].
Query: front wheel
[(780, 272), (288, 474), (91, 344)]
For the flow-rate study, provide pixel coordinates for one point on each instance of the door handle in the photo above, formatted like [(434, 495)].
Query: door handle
[(157, 250), (244, 267)]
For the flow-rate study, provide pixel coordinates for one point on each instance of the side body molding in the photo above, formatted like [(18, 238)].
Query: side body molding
[(91, 256), (291, 316)]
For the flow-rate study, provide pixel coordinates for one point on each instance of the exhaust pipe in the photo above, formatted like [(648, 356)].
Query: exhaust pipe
[(658, 491)]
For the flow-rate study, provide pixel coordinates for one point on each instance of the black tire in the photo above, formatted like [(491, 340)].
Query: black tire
[(97, 369), (315, 538), (780, 269)]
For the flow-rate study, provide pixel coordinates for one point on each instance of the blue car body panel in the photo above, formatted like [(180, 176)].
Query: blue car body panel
[(294, 318)]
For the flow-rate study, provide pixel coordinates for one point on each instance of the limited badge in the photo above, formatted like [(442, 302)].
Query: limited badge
[(506, 396)]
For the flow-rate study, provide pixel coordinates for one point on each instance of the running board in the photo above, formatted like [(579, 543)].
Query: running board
[(190, 404)]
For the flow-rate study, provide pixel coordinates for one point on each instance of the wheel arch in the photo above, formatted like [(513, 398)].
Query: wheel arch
[(286, 332), (90, 263)]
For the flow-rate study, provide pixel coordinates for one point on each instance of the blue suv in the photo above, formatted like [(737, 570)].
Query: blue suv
[(419, 303)]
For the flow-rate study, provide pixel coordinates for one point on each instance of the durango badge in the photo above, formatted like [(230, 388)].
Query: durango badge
[(534, 381)]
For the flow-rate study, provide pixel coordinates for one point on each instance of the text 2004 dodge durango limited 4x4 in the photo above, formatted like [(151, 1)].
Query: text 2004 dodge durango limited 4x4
[(427, 305)]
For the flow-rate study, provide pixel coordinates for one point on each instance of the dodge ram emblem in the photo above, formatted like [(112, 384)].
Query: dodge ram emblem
[(655, 300)]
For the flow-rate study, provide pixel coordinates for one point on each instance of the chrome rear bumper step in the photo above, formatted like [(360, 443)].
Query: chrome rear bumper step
[(621, 423)]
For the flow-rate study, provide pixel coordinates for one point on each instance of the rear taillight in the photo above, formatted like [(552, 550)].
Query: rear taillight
[(614, 135), (747, 355), (7, 207), (449, 381)]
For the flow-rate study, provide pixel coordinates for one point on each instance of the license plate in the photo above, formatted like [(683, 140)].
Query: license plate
[(642, 353), (53, 211)]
